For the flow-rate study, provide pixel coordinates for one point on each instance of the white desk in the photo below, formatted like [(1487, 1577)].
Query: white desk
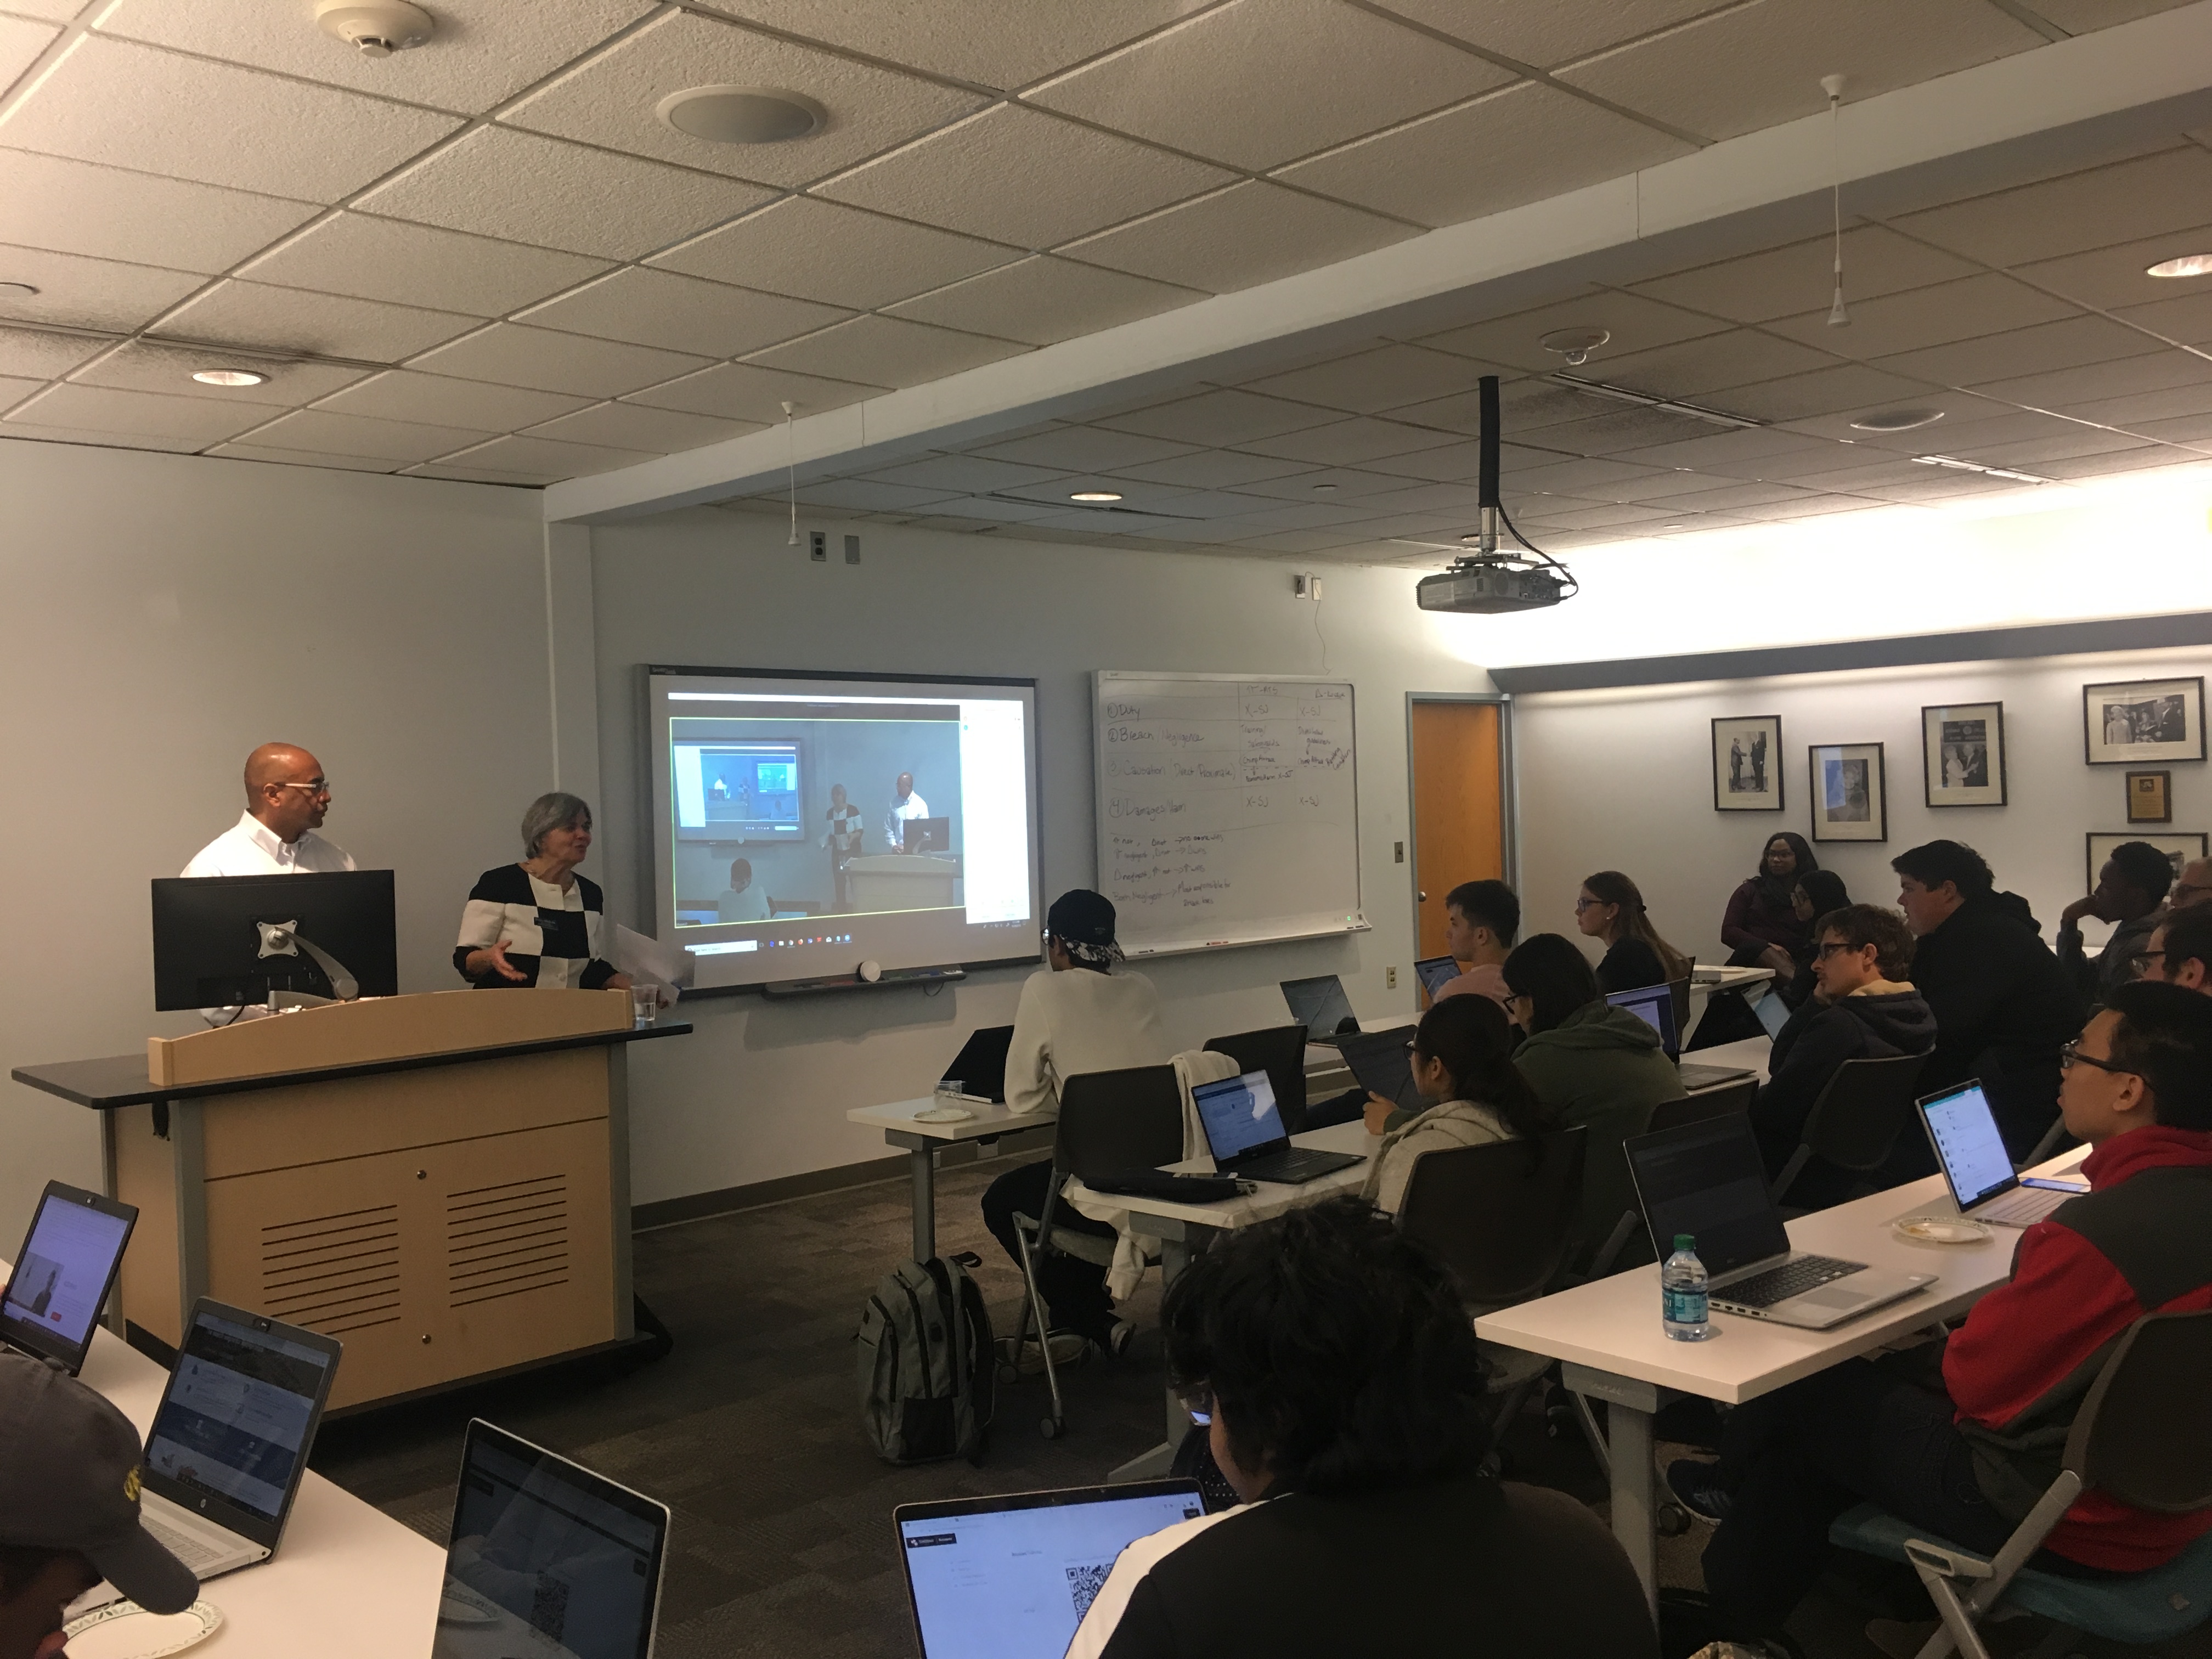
[(921, 1142), (1609, 1336), (347, 1583)]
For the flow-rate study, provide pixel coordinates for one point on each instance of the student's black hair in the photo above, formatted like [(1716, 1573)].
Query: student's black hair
[(1471, 1036), (1335, 1349), (2164, 1037), (1861, 924), (2188, 937), (1553, 973), (1489, 904), (1933, 863), (745, 865), (2144, 867), (1800, 850), (1826, 888)]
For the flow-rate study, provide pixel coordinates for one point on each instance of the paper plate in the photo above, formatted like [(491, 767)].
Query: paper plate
[(462, 1610), (123, 1629), (944, 1114), (1941, 1228)]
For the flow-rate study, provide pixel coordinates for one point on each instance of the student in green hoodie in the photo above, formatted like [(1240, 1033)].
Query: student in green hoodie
[(1592, 1065)]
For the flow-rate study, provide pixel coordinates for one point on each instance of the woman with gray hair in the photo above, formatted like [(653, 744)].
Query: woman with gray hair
[(538, 922)]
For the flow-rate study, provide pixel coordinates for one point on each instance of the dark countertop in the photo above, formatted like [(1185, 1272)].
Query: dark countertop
[(115, 1081)]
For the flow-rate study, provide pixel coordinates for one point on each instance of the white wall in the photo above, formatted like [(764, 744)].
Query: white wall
[(1623, 780), (159, 615), (760, 1091)]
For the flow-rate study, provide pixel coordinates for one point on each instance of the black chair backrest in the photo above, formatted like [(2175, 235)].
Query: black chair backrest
[(1866, 1105), (1707, 1102), (1501, 1216), (1110, 1122), (1280, 1052), (2142, 1434)]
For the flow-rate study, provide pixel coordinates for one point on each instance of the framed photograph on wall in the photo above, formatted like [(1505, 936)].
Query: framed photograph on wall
[(1747, 764), (2179, 849), (2143, 721), (1962, 754), (1849, 794), (2150, 797)]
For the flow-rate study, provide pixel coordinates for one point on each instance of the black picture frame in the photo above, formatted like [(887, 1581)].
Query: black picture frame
[(1849, 819), (2157, 704), (2098, 844), (1945, 729), (1734, 772)]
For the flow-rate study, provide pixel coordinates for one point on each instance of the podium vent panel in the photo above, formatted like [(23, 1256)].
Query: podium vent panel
[(333, 1273), (506, 1240)]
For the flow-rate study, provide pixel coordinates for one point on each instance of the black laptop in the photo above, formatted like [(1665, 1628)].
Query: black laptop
[(1319, 1004), (1382, 1062), (980, 1065), (1244, 1131), (63, 1274)]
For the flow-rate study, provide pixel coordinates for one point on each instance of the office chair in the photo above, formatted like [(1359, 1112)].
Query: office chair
[(1855, 1122), (2143, 1436), (1280, 1052), (1109, 1121)]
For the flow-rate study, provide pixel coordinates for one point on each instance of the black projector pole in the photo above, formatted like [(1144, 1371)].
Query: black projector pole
[(1488, 502)]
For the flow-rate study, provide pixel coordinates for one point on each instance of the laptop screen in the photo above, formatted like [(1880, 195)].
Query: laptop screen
[(63, 1272), (1239, 1114), (1380, 1063), (1967, 1144), (1010, 1577), (1435, 973), (239, 1413), (546, 1557), (1705, 1179), (980, 1065), (1655, 1005), (1319, 1004)]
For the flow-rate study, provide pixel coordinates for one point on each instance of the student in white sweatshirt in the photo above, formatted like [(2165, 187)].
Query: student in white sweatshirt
[(1462, 1064), (1079, 1016)]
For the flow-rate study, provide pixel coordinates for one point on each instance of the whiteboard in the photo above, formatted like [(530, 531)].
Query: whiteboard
[(1228, 808)]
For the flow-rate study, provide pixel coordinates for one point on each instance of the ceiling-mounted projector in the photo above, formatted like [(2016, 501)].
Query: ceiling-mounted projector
[(1488, 581)]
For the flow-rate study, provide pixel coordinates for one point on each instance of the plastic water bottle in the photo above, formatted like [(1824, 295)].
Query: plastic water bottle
[(1682, 1299)]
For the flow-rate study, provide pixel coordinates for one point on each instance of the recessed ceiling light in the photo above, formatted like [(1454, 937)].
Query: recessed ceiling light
[(1897, 420), (228, 377), (742, 115), (16, 291), (1094, 495), (2189, 265), (1575, 344)]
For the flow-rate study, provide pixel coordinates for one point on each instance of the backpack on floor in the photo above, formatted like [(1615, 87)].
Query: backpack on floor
[(927, 1363)]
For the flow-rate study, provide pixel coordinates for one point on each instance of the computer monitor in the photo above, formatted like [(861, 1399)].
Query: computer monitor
[(1655, 1005), (63, 1274), (209, 934), (1319, 1004), (928, 834)]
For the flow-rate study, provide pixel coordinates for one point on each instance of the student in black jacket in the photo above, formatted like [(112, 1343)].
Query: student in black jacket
[(1346, 1393), (2003, 1004), (1863, 1007), (1610, 908)]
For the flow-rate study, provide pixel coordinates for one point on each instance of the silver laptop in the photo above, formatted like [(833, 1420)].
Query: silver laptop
[(1705, 1179), (1978, 1169), (1660, 1006)]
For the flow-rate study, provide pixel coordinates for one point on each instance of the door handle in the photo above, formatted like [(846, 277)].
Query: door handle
[(1425, 898)]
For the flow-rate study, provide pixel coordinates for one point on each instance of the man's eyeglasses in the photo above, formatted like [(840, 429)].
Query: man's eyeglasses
[(1828, 948), (2139, 964), (2072, 1052), (313, 785)]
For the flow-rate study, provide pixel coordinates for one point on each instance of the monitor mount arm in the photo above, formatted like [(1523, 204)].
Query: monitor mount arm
[(282, 939)]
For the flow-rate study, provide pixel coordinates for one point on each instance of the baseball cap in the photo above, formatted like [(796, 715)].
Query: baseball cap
[(68, 1481), (1082, 917)]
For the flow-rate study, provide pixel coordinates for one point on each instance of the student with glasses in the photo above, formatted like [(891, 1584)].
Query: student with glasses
[(2180, 951), (286, 798)]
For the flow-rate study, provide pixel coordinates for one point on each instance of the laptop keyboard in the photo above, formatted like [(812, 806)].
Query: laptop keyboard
[(1705, 1076), (2021, 1207), (1297, 1164), (194, 1552), (1790, 1279)]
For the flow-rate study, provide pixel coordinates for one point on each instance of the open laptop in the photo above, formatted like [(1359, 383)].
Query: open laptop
[(980, 1065), (1381, 1063), (1244, 1131), (1010, 1577), (1963, 1132), (63, 1274), (1705, 1179), (1656, 1005), (546, 1557), (1435, 973), (1319, 1004)]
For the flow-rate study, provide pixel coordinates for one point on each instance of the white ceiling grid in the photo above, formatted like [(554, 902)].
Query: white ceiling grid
[(485, 258)]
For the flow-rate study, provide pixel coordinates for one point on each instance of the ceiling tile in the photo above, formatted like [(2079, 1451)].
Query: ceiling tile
[(1041, 300), (1823, 392), (2133, 411), (1670, 487), (1736, 496), (1217, 469), (2110, 278), (134, 106), (1455, 462), (1636, 324), (509, 353), (1554, 33), (83, 293), (1724, 449), (684, 313), (970, 474), (2074, 440), (38, 355), (1623, 427), (2185, 318), (524, 188), (1448, 498), (1689, 368), (34, 432), (483, 51), (1582, 477), (2118, 460), (1779, 282), (1340, 483), (824, 251), (1386, 376), (2194, 429), (373, 258), (1610, 518), (1255, 82), (2148, 196), (1347, 443), (1084, 449), (53, 11), (13, 389), (1961, 310), (104, 409), (609, 100), (632, 426), (867, 496), (400, 394), (1221, 417), (1792, 466), (2064, 345), (326, 432), (2082, 16), (1509, 148), (75, 207), (986, 508), (1303, 515), (254, 451), (1020, 176), (1136, 497), (886, 349), (546, 457), (147, 366), (2119, 378), (992, 43), (1238, 238), (467, 473), (1760, 66), (235, 313), (746, 392), (1301, 541), (22, 41)]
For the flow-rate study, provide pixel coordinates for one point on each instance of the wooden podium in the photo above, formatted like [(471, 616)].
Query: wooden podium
[(441, 1181)]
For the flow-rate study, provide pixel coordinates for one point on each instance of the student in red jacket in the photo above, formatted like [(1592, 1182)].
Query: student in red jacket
[(1966, 1456)]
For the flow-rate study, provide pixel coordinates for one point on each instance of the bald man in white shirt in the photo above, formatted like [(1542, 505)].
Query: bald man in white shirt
[(287, 798)]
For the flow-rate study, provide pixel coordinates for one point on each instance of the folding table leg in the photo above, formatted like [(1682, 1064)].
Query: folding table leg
[(1631, 1406)]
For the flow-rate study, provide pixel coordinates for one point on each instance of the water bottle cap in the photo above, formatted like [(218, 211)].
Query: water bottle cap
[(1686, 1242)]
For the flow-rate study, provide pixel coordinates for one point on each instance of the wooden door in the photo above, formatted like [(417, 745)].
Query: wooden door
[(1459, 806)]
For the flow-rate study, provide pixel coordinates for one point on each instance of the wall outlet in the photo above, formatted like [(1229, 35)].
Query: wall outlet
[(1389, 979), (1305, 588), (852, 550), (817, 546), (1397, 852)]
